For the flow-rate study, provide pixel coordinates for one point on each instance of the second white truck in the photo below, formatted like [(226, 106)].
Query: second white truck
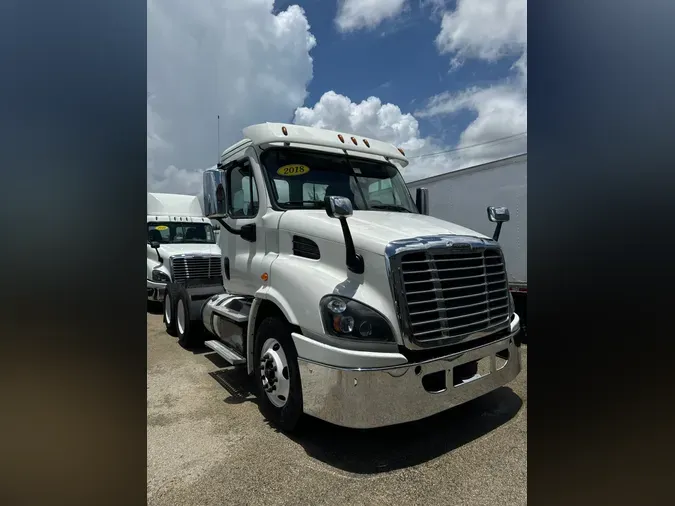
[(181, 246), (341, 296)]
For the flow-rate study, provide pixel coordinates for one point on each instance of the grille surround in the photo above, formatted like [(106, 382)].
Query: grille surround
[(448, 274), (197, 270)]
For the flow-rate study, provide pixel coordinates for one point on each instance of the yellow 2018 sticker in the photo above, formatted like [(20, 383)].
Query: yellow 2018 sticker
[(161, 227), (293, 170)]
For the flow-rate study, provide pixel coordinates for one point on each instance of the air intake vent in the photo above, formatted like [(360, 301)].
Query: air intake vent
[(306, 248)]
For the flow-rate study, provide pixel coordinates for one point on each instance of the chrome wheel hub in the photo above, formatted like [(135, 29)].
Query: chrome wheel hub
[(274, 373)]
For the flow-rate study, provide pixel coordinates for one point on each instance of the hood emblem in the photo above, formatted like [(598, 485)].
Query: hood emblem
[(459, 245)]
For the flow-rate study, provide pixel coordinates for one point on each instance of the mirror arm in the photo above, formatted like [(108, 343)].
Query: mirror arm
[(354, 260), (241, 232), (498, 229), (227, 227), (159, 257)]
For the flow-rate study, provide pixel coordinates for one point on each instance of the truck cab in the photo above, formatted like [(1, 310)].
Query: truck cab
[(181, 245), (341, 296)]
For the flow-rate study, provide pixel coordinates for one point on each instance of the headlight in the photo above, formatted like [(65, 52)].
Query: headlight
[(160, 276), (346, 318)]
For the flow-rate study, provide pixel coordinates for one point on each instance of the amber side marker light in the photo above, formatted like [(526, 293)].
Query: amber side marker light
[(365, 141), (401, 151), (264, 276), (284, 130), (354, 140), (342, 139)]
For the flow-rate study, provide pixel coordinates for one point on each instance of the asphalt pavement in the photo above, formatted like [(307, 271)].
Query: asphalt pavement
[(208, 444)]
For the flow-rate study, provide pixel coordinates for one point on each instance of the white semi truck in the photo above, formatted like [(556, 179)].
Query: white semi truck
[(361, 311), (462, 195), (181, 246)]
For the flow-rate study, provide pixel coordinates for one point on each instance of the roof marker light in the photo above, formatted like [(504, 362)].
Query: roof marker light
[(365, 141), (284, 130), (354, 140), (342, 139), (401, 151)]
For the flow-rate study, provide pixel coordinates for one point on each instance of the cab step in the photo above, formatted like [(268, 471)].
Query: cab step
[(227, 353)]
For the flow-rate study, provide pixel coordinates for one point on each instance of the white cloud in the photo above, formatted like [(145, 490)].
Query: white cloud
[(485, 29), (370, 118), (385, 122), (357, 14), (501, 113), (229, 57)]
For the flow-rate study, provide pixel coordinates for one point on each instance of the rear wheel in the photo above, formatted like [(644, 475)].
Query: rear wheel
[(170, 298), (277, 374), (189, 335)]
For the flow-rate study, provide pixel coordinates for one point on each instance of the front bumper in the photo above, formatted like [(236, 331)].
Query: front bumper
[(368, 398), (156, 291)]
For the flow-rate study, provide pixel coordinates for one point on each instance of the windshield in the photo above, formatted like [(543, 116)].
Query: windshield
[(180, 233), (300, 180)]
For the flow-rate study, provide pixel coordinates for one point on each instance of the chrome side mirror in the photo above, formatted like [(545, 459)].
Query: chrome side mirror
[(498, 214), (214, 186), (338, 207)]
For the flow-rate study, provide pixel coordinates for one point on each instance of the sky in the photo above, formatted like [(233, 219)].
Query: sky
[(445, 80)]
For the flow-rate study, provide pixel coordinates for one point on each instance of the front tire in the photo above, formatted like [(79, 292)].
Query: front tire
[(277, 374)]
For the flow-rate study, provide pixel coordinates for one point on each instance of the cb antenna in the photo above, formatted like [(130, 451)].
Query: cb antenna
[(218, 160)]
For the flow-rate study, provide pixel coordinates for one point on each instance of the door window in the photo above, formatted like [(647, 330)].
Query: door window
[(243, 193)]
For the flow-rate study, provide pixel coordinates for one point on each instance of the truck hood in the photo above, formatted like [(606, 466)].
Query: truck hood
[(371, 230), (169, 250)]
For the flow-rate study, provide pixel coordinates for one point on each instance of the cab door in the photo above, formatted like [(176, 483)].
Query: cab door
[(244, 218)]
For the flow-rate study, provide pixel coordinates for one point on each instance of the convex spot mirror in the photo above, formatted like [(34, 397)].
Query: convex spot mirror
[(498, 214), (338, 207)]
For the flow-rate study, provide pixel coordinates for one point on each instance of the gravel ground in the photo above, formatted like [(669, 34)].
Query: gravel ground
[(208, 444)]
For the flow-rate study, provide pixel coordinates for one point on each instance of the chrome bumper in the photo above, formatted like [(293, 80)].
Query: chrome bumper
[(369, 398)]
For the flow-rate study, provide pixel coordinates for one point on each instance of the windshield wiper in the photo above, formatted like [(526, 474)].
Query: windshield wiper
[(390, 207), (317, 203)]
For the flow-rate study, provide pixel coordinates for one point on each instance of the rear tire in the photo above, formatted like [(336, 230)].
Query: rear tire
[(169, 307), (187, 331), (275, 365)]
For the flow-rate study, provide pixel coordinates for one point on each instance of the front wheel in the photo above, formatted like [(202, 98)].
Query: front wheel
[(277, 374)]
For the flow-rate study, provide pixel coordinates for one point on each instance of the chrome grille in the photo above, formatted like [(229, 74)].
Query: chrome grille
[(204, 269), (447, 294)]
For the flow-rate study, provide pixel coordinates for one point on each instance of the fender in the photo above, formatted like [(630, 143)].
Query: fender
[(274, 296), (250, 334)]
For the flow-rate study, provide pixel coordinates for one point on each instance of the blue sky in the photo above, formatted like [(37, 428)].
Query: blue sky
[(437, 75), (396, 61)]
